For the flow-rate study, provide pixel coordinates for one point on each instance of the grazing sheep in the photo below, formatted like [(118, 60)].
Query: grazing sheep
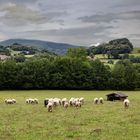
[(27, 101), (14, 101), (56, 102), (95, 100), (71, 101), (46, 101), (81, 100), (50, 107), (126, 103), (77, 104), (101, 100), (51, 101), (36, 101), (59, 101), (32, 101), (66, 104), (64, 100), (10, 101)]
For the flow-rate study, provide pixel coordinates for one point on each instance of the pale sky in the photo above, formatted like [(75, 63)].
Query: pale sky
[(79, 22)]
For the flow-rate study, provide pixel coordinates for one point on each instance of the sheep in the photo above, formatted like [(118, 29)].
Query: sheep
[(50, 107), (14, 101), (56, 101), (64, 100), (36, 101), (71, 101), (27, 101), (59, 101), (66, 104), (95, 100), (78, 104), (32, 101), (81, 100), (101, 100), (9, 101), (126, 103), (51, 100), (75, 100), (46, 101)]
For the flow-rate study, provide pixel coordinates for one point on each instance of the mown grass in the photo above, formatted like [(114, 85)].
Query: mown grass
[(32, 122), (135, 50)]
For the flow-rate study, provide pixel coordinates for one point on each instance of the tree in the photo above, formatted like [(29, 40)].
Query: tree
[(77, 53), (100, 75), (124, 76), (117, 46)]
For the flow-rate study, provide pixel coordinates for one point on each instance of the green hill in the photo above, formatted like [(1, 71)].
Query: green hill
[(58, 48)]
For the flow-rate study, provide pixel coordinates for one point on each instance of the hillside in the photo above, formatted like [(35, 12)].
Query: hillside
[(58, 48)]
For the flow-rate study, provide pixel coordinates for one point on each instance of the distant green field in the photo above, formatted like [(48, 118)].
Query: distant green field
[(135, 50), (29, 56), (32, 122), (135, 54)]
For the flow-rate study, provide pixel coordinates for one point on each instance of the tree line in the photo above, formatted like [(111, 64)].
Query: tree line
[(72, 71), (113, 48)]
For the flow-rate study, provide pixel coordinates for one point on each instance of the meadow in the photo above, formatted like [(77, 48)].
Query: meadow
[(108, 121)]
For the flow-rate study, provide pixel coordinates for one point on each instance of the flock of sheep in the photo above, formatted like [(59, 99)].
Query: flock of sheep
[(50, 103), (53, 102)]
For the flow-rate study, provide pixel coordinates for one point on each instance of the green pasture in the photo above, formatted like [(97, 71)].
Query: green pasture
[(135, 50), (108, 121)]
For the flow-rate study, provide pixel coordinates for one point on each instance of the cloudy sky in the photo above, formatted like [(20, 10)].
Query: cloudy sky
[(80, 22)]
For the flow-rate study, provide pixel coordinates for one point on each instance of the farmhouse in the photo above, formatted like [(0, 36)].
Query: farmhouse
[(116, 96)]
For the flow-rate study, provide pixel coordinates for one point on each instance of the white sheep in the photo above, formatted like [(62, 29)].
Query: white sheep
[(64, 100), (126, 103), (32, 101), (27, 101), (46, 101), (51, 101), (95, 100), (101, 100), (14, 101), (78, 104), (66, 104), (9, 101), (71, 101), (50, 107), (57, 101), (81, 100), (36, 101)]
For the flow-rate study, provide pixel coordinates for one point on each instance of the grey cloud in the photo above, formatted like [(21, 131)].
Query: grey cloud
[(79, 36), (89, 30), (134, 35), (18, 1), (130, 15), (127, 3), (17, 15), (98, 18)]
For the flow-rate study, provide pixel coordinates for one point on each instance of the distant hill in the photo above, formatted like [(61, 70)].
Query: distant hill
[(58, 48)]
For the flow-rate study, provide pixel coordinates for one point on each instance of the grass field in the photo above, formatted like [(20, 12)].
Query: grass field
[(135, 50), (32, 122)]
